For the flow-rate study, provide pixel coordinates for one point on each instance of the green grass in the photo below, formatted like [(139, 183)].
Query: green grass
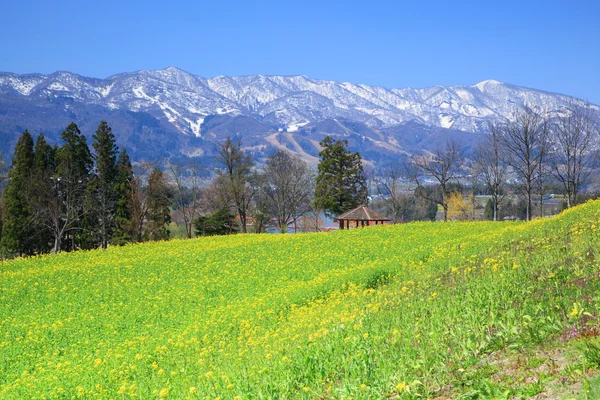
[(423, 310)]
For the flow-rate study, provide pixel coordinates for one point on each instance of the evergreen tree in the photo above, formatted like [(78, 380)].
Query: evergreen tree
[(159, 196), (488, 212), (2, 182), (74, 163), (123, 188), (219, 222), (17, 228), (43, 192), (103, 184), (341, 184), (3, 171)]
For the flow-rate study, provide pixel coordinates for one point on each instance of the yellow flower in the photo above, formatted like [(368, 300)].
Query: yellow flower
[(575, 311), (97, 362), (363, 386), (163, 392), (401, 386), (366, 335)]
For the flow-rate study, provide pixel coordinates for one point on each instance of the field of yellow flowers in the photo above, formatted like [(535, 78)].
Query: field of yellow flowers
[(421, 310)]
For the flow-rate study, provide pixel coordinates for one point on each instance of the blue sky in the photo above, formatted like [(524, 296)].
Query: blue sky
[(549, 45)]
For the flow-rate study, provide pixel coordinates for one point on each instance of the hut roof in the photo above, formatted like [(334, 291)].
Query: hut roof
[(362, 213)]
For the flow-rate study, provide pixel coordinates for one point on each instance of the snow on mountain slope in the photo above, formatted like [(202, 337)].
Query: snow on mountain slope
[(181, 102)]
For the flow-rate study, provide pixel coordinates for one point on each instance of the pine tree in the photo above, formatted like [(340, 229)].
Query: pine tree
[(220, 222), (17, 212), (159, 201), (43, 192), (2, 182), (341, 183), (123, 226), (103, 185), (74, 163)]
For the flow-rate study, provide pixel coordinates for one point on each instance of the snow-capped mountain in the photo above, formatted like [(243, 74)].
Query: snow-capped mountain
[(185, 112)]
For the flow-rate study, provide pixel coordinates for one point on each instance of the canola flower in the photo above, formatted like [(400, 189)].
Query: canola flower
[(362, 313)]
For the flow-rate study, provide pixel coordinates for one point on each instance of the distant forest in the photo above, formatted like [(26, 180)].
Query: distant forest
[(76, 196)]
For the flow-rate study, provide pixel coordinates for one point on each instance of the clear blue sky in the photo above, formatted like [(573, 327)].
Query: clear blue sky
[(549, 45)]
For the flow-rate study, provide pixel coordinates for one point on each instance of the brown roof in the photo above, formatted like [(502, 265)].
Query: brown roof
[(362, 213)]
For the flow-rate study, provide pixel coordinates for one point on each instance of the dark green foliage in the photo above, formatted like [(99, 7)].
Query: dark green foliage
[(406, 208), (17, 212), (220, 222), (74, 164), (3, 176), (102, 188), (58, 199), (489, 210), (427, 199), (341, 184), (425, 210), (123, 229), (43, 192), (514, 210), (159, 196)]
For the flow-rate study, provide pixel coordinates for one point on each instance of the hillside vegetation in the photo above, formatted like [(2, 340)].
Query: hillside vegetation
[(421, 310)]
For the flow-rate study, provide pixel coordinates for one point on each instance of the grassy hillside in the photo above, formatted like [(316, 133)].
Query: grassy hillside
[(423, 310)]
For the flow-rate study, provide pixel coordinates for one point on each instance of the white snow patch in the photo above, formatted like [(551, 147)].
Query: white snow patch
[(22, 86), (295, 126), (195, 126), (105, 91), (482, 85), (446, 121), (370, 111), (57, 86), (169, 111)]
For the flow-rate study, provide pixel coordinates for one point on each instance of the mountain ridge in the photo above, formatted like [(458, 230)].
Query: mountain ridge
[(169, 106)]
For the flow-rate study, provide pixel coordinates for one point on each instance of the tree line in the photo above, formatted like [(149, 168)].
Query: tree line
[(72, 196), (68, 197), (527, 156)]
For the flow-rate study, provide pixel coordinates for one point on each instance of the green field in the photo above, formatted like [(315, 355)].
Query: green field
[(421, 310)]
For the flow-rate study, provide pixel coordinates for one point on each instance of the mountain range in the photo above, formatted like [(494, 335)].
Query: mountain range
[(172, 113)]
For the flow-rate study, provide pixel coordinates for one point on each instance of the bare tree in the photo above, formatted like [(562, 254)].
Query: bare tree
[(489, 167), (236, 176), (61, 196), (543, 176), (139, 201), (260, 208), (574, 157), (525, 140), (389, 188), (442, 166), (186, 181), (59, 208), (289, 187)]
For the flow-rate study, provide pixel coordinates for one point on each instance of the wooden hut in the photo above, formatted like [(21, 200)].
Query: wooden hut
[(361, 216)]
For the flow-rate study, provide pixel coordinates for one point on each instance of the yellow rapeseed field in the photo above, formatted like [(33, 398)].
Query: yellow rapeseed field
[(382, 312)]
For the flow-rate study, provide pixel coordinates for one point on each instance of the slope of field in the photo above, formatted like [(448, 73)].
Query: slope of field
[(420, 310)]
